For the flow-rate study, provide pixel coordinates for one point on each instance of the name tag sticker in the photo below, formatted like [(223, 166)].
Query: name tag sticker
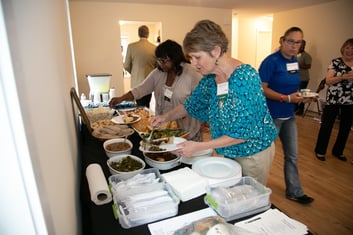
[(222, 89), (222, 92), (292, 67), (168, 94)]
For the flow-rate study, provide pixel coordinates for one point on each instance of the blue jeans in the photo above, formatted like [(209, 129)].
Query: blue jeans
[(288, 135)]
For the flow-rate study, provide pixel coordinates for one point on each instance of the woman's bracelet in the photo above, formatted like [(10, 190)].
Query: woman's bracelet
[(289, 100)]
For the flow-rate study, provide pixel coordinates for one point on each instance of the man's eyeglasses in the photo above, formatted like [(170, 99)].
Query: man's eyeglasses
[(162, 60), (292, 42)]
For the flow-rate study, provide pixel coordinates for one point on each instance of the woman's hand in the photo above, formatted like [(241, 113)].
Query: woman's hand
[(156, 121), (114, 101), (296, 97), (348, 76), (188, 148)]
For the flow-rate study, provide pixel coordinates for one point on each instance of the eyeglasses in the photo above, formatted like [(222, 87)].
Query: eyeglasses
[(292, 42), (162, 60)]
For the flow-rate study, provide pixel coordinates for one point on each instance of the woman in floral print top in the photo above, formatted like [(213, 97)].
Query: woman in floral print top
[(339, 99), (230, 97)]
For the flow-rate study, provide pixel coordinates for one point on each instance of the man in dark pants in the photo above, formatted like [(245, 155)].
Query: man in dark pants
[(304, 61), (140, 61)]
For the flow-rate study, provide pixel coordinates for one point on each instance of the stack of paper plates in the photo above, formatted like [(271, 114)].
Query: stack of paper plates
[(217, 169)]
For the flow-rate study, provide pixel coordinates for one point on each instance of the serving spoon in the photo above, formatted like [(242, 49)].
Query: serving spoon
[(149, 139)]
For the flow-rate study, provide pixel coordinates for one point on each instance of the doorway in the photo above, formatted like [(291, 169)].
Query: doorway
[(263, 46), (129, 34)]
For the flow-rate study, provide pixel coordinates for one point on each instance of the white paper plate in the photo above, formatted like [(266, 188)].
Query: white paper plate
[(311, 95), (126, 109), (192, 160), (217, 167), (120, 119), (197, 156), (202, 152), (166, 147)]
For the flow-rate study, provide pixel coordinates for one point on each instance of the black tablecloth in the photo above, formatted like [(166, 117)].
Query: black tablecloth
[(100, 220)]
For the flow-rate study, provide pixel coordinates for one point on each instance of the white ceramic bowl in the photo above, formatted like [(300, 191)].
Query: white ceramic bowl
[(111, 153), (124, 171), (160, 160)]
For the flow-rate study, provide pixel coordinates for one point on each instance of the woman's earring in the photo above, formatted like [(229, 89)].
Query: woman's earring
[(217, 62)]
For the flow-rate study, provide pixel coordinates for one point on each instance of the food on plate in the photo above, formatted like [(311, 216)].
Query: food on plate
[(103, 123), (152, 145), (209, 225), (142, 112), (167, 140), (112, 131), (126, 164), (100, 113), (143, 125), (118, 146), (305, 92), (128, 119), (158, 134), (161, 157), (154, 148)]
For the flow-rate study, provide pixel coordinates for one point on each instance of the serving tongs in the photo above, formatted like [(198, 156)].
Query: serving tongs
[(148, 142)]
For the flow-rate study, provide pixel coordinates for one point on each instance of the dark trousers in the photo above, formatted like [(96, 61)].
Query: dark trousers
[(144, 101), (299, 108), (327, 121)]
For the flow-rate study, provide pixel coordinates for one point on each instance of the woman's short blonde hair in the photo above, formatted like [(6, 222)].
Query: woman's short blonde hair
[(348, 42), (204, 37)]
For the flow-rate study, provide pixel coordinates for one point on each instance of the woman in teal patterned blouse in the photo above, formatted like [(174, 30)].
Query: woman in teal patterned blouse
[(230, 97)]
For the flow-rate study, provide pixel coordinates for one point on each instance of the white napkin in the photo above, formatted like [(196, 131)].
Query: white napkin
[(186, 183), (98, 186)]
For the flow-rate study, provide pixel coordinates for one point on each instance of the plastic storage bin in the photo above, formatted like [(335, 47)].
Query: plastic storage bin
[(233, 200), (137, 204), (99, 82)]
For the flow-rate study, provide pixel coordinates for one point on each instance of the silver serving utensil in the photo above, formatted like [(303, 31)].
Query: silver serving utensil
[(149, 139)]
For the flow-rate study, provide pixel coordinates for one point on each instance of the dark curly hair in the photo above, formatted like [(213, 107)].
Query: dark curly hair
[(172, 50)]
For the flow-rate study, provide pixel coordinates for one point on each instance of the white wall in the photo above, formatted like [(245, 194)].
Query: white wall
[(325, 27), (249, 30), (38, 36), (95, 27)]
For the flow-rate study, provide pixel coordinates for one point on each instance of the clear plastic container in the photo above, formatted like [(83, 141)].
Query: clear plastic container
[(138, 203), (233, 200), (99, 82)]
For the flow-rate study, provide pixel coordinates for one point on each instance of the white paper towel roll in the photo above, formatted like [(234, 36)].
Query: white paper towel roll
[(98, 186)]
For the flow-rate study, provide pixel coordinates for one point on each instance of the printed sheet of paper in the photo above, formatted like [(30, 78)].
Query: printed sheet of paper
[(271, 222)]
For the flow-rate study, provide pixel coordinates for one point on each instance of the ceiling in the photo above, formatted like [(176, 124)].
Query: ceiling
[(239, 6)]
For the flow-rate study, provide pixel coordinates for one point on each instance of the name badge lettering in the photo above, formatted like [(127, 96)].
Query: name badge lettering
[(168, 94), (292, 67), (222, 92)]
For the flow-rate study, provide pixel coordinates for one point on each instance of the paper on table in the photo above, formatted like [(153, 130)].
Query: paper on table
[(169, 226), (98, 186), (271, 222)]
